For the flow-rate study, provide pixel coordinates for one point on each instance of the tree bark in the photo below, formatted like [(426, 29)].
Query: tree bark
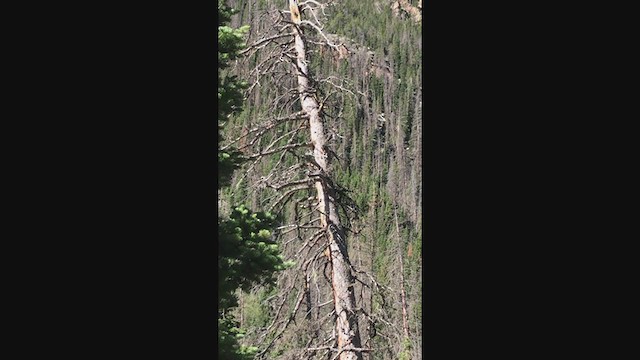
[(347, 333)]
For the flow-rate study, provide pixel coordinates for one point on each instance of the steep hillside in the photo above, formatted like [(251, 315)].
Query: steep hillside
[(374, 127)]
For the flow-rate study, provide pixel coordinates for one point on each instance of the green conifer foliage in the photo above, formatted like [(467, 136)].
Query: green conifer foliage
[(248, 254)]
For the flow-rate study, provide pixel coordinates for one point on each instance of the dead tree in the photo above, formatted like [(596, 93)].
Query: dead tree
[(318, 227), (403, 296), (348, 335)]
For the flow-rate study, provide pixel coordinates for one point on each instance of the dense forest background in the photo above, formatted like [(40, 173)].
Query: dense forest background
[(375, 131)]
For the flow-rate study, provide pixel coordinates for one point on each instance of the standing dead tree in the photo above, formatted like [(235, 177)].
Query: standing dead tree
[(293, 148), (347, 332), (403, 296)]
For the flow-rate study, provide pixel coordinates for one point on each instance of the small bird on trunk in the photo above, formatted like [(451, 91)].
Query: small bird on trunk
[(295, 11)]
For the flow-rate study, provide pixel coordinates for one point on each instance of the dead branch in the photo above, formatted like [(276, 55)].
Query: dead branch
[(289, 320), (263, 42), (319, 30), (322, 348), (328, 80), (284, 300), (292, 227), (291, 183), (311, 242), (264, 131), (268, 125), (286, 195), (290, 141), (282, 155), (305, 6), (283, 148), (378, 285)]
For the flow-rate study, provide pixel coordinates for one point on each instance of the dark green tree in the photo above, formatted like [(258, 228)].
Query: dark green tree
[(248, 254), (230, 42)]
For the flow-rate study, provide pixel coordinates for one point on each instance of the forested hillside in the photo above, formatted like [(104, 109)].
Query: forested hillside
[(365, 72)]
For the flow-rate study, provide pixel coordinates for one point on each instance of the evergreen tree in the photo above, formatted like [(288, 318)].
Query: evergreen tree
[(248, 254)]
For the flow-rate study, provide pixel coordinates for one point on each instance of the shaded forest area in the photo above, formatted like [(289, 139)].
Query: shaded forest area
[(370, 89)]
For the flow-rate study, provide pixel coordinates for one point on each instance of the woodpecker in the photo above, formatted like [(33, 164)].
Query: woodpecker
[(295, 11)]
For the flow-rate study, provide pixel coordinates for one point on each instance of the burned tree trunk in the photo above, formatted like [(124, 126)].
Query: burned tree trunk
[(347, 333)]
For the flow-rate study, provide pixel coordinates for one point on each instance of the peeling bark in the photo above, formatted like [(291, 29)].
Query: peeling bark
[(347, 333)]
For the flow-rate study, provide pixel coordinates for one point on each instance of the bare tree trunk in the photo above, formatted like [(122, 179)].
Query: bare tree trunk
[(405, 325), (348, 336)]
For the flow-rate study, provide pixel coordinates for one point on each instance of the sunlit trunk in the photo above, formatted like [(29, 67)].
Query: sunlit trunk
[(347, 332)]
